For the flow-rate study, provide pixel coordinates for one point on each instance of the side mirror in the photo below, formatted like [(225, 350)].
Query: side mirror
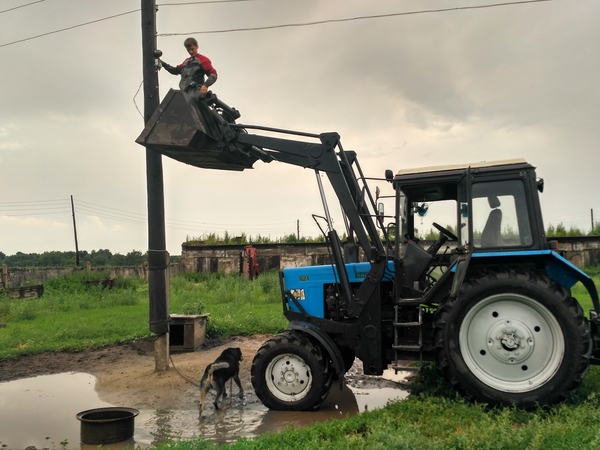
[(540, 184), (389, 175)]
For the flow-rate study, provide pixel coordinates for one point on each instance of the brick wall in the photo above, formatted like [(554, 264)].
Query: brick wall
[(582, 251)]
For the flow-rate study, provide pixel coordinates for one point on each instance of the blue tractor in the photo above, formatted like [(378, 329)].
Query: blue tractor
[(489, 300)]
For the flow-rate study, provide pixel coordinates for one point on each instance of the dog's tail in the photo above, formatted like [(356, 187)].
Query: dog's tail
[(207, 381), (208, 377), (217, 366)]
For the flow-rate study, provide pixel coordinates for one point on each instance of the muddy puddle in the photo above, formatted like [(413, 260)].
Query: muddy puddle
[(41, 412)]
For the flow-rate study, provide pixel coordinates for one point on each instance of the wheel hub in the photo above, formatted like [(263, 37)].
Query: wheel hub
[(290, 377), (510, 341)]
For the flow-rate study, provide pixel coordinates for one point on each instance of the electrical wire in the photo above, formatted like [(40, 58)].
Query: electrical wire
[(31, 201), (270, 27), (135, 95), (105, 212), (205, 2), (36, 213), (21, 6), (69, 28), (110, 209), (349, 19), (114, 212), (34, 208)]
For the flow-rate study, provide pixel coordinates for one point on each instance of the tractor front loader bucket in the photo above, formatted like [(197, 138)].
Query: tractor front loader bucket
[(198, 135)]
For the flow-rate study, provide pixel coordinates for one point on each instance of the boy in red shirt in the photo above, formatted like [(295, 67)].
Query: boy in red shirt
[(197, 74)]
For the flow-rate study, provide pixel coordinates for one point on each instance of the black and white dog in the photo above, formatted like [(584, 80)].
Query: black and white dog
[(225, 367)]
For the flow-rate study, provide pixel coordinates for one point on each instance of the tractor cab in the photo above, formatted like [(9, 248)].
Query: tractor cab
[(478, 209), (482, 206)]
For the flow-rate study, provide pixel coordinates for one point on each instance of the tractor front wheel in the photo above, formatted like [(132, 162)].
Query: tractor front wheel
[(513, 338), (289, 373)]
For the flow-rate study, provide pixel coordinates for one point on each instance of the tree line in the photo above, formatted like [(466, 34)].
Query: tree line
[(104, 257), (97, 258)]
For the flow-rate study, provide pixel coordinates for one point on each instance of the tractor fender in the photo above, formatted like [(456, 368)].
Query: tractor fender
[(326, 343), (558, 268)]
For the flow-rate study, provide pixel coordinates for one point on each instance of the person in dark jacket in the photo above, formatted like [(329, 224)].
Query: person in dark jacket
[(197, 74)]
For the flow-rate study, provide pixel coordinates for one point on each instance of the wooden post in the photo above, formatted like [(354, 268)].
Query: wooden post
[(4, 276), (158, 258), (75, 232)]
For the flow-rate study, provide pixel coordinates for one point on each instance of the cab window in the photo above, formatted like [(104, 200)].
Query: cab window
[(500, 217)]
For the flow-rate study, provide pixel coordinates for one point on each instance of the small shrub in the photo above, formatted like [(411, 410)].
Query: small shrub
[(193, 308), (200, 277), (4, 308), (430, 382), (24, 311)]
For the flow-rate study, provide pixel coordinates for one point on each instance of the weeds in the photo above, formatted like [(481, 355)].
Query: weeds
[(75, 314)]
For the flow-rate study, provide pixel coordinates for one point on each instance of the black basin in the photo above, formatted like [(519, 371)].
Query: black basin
[(107, 425)]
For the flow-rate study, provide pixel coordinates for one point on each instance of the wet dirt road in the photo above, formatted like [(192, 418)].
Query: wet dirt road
[(43, 413), (41, 410)]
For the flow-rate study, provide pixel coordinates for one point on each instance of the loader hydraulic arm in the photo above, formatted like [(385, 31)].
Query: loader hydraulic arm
[(205, 135), (326, 156)]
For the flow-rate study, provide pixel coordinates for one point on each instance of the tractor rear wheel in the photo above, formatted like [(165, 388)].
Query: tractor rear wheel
[(289, 373), (513, 338)]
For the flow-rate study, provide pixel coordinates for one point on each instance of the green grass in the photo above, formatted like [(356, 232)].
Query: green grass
[(74, 315), (237, 306), (580, 293), (434, 417)]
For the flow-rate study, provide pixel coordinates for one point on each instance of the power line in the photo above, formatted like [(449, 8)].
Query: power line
[(93, 213), (58, 200), (92, 205), (114, 212), (68, 28), (349, 19), (22, 6), (33, 208), (203, 2), (61, 206), (106, 212), (270, 27), (106, 18), (36, 213)]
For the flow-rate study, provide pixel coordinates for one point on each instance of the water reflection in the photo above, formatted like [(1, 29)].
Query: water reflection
[(42, 411)]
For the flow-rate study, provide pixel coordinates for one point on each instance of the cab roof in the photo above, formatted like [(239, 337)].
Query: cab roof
[(440, 182), (461, 167)]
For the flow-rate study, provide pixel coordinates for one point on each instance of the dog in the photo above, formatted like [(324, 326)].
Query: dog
[(225, 367)]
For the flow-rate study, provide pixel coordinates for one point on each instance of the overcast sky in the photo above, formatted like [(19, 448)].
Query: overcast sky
[(403, 90)]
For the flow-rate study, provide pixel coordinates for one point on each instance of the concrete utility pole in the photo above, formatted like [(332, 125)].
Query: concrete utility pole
[(158, 258)]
